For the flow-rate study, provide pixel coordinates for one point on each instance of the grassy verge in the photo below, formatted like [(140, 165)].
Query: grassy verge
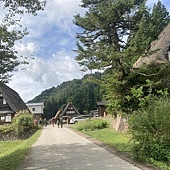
[(13, 152), (120, 141), (106, 134)]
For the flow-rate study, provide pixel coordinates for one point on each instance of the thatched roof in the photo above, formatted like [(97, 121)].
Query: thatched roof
[(58, 114), (12, 98), (159, 50), (70, 110)]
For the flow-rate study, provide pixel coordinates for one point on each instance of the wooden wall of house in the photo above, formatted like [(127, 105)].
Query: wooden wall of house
[(101, 110), (4, 107)]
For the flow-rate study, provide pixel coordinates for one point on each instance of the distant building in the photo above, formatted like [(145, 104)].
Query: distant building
[(69, 112), (37, 109), (10, 103), (101, 107)]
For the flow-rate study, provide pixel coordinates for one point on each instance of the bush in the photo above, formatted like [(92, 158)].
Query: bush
[(4, 129), (92, 124), (7, 132), (22, 127), (150, 130), (23, 123)]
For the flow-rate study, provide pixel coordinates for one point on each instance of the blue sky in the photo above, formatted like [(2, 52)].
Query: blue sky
[(50, 41)]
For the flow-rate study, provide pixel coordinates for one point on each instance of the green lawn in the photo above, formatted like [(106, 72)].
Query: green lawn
[(118, 140), (13, 152), (7, 145)]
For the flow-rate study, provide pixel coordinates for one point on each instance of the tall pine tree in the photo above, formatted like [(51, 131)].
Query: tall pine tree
[(114, 34)]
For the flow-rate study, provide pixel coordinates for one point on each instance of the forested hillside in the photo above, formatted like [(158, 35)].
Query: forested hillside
[(81, 93)]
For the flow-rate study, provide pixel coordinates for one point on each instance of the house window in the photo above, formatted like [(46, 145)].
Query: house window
[(2, 118), (70, 108), (70, 112), (33, 109), (4, 101), (8, 118)]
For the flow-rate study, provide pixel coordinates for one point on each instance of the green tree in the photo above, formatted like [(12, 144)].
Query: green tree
[(105, 24), (159, 19), (150, 26), (51, 108), (11, 31), (102, 44)]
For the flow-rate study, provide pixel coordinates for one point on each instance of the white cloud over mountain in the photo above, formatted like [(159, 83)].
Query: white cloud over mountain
[(41, 74)]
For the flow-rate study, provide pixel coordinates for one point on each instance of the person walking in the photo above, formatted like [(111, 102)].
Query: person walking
[(58, 122), (61, 121), (45, 122), (53, 121)]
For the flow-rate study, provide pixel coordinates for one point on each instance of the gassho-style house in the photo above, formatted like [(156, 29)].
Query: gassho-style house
[(11, 103)]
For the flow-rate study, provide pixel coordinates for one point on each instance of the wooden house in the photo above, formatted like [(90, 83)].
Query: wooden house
[(159, 51), (10, 103), (101, 106), (69, 112), (37, 109)]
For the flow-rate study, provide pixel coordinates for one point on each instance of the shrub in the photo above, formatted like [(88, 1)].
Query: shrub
[(4, 129), (23, 123), (22, 127), (92, 124), (150, 130)]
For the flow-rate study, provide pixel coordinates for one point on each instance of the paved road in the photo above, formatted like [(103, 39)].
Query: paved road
[(63, 149)]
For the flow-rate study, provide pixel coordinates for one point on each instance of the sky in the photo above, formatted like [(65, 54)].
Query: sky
[(49, 48)]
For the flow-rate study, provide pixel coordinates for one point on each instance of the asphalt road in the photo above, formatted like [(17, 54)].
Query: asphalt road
[(63, 149)]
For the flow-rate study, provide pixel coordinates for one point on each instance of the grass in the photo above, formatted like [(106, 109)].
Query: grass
[(7, 145), (13, 152), (119, 140)]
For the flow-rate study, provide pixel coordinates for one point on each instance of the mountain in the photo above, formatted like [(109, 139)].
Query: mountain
[(80, 92)]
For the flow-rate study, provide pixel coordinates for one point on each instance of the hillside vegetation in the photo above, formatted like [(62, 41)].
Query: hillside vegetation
[(81, 93)]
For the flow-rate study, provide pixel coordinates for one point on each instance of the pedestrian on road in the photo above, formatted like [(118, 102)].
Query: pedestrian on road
[(61, 121), (53, 121), (58, 122), (45, 122)]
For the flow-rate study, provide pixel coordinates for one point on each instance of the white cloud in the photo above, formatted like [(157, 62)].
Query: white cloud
[(42, 74), (58, 13), (26, 50), (46, 37)]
